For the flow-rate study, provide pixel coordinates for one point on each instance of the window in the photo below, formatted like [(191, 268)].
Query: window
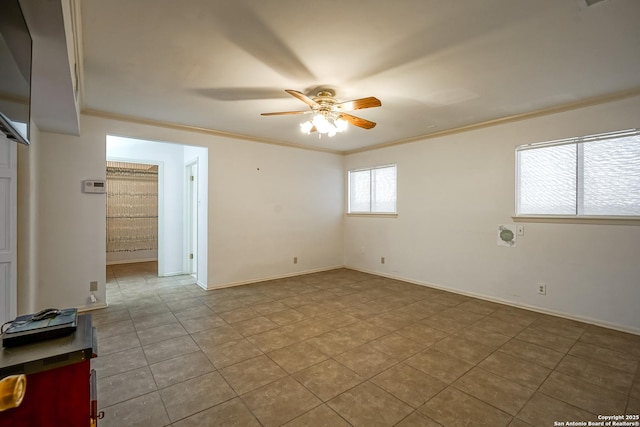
[(596, 175), (373, 190)]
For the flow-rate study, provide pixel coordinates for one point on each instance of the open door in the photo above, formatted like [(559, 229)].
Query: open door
[(191, 216)]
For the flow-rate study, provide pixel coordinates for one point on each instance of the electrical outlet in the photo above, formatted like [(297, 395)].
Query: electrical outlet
[(542, 289), (381, 260), (520, 230), (93, 286), (295, 259)]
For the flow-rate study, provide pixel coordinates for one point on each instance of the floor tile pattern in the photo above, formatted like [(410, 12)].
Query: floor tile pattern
[(341, 348)]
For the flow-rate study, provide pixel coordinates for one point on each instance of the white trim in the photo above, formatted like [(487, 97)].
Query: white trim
[(96, 306), (574, 219), (131, 261), (588, 320)]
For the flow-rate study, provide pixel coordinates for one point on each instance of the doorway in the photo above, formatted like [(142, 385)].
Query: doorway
[(182, 203)]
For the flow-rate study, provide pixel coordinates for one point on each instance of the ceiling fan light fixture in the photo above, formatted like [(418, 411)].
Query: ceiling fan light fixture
[(306, 127), (324, 123)]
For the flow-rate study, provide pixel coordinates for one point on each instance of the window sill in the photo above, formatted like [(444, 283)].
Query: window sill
[(560, 219), (376, 215)]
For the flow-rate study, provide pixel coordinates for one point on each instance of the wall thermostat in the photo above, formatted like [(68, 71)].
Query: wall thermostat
[(91, 186)]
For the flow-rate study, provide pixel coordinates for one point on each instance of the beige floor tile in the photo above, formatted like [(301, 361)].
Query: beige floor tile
[(544, 339), (180, 368), (396, 346), (366, 361), (439, 365), (408, 384), (270, 307), (369, 405), (271, 340), (121, 387), (597, 373), (590, 397), (351, 316), (154, 320), (416, 419), (558, 326), (613, 340), (534, 353), (478, 335), (335, 342), (252, 373), (145, 410), (542, 410), (307, 328), (505, 395), (254, 326), (231, 353), (279, 402), (181, 305), (189, 397), (115, 328), (193, 312), (479, 307), (422, 334), (454, 408), (161, 333), (169, 349), (622, 361), (117, 363), (212, 338), (328, 379), (204, 323), (515, 369), (231, 413), (469, 351), (286, 317), (297, 356), (322, 416), (118, 343), (239, 314)]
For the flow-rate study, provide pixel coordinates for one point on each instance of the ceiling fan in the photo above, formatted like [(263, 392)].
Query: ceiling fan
[(329, 115)]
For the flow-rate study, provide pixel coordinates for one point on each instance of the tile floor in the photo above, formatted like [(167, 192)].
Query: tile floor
[(342, 348)]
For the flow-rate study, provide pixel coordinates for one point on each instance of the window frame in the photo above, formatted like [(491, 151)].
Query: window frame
[(577, 217), (371, 198)]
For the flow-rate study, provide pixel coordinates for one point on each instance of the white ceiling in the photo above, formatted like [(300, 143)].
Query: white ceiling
[(434, 64)]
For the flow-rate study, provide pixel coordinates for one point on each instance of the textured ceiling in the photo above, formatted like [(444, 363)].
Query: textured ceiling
[(435, 64)]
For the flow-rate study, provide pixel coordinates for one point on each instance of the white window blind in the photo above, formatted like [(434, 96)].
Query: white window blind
[(596, 175), (373, 190)]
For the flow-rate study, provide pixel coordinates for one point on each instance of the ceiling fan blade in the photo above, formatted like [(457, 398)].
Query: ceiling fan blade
[(282, 113), (357, 121), (358, 104), (302, 97)]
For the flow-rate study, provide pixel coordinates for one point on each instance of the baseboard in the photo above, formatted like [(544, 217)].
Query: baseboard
[(96, 306), (564, 315), (280, 276), (131, 261)]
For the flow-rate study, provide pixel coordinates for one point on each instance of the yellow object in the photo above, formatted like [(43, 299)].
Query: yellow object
[(12, 391)]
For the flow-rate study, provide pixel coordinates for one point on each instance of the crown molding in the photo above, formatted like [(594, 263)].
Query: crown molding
[(602, 99), (596, 100), (206, 131)]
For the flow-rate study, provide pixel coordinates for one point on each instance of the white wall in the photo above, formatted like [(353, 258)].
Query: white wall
[(268, 204), (453, 192), (257, 220)]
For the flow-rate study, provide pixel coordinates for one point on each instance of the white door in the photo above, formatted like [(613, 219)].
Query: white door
[(8, 229), (192, 218)]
